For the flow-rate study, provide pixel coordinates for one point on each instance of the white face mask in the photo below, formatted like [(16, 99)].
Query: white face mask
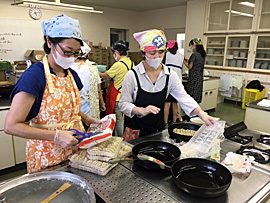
[(115, 58), (64, 62), (154, 63), (190, 49)]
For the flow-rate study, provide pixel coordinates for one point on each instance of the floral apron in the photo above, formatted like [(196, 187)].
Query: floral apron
[(59, 109)]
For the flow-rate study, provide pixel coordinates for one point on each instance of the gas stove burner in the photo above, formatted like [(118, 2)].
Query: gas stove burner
[(260, 155), (265, 139), (240, 139)]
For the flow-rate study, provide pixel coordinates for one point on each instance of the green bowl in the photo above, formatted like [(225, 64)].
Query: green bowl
[(101, 68)]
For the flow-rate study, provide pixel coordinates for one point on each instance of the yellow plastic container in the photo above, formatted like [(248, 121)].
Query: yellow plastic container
[(251, 95)]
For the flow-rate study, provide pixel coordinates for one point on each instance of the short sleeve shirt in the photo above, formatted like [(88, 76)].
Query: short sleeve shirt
[(33, 81), (118, 71)]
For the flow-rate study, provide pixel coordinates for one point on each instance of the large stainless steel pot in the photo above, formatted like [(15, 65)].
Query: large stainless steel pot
[(39, 186)]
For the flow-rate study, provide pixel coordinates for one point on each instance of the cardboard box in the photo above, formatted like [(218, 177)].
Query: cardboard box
[(19, 65), (34, 55), (3, 75)]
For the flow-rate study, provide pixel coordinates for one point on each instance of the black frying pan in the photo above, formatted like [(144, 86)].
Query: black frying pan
[(182, 125), (198, 177), (163, 151)]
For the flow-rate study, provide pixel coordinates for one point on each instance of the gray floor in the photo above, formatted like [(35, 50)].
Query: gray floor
[(229, 112)]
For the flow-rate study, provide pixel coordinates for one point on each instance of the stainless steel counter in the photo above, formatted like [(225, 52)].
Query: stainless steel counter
[(130, 183), (255, 106)]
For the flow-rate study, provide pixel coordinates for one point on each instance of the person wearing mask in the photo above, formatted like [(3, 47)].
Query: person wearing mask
[(195, 65), (91, 95), (117, 73), (46, 100), (174, 60), (146, 87)]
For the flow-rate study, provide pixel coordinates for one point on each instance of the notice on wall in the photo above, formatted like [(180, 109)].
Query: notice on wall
[(17, 36)]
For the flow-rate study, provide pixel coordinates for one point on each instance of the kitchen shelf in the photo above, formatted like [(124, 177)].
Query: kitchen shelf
[(262, 59), (217, 44), (215, 54), (215, 47), (268, 49), (265, 13), (244, 48), (240, 58)]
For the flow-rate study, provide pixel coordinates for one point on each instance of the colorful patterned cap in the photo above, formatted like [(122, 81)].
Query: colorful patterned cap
[(171, 44), (197, 41), (62, 26), (151, 40)]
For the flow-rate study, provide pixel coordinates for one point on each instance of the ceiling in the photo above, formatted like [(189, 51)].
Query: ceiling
[(133, 5)]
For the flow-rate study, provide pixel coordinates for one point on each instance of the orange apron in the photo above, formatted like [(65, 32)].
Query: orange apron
[(59, 109)]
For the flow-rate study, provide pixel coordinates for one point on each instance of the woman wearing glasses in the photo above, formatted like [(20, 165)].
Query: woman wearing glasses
[(46, 100), (146, 87)]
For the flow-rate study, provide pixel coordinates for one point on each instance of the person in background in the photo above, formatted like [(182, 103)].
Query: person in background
[(146, 87), (117, 73), (46, 100), (91, 94), (195, 64), (174, 60)]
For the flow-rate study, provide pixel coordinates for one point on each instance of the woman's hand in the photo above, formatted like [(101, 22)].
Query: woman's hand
[(91, 120), (65, 138), (102, 107), (209, 120), (149, 109)]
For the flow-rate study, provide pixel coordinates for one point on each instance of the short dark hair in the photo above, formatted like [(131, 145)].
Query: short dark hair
[(174, 49), (121, 46), (54, 41)]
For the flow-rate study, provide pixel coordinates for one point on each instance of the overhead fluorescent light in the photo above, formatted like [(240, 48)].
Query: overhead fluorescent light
[(247, 3), (239, 13), (57, 3)]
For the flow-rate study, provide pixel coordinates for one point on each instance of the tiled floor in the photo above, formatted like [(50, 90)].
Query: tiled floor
[(225, 111)]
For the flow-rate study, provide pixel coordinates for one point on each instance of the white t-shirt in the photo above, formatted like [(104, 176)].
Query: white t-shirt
[(175, 62)]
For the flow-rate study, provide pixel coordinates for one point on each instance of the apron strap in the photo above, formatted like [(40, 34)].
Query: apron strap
[(48, 74), (137, 79), (65, 126), (127, 69)]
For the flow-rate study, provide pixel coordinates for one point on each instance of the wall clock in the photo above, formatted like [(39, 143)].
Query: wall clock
[(35, 13)]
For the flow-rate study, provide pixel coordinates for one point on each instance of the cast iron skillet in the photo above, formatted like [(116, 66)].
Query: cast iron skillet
[(163, 151), (198, 177), (180, 137)]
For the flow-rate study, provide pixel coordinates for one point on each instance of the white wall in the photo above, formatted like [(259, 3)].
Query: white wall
[(195, 21), (96, 27), (167, 18)]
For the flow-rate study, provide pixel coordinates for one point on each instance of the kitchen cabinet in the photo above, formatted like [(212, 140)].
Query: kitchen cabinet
[(215, 50), (244, 30), (231, 16), (7, 158), (12, 148), (210, 94), (264, 15), (6, 150), (237, 51), (257, 117), (19, 149), (217, 18)]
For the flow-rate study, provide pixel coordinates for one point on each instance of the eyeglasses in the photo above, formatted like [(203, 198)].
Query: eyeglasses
[(69, 53)]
